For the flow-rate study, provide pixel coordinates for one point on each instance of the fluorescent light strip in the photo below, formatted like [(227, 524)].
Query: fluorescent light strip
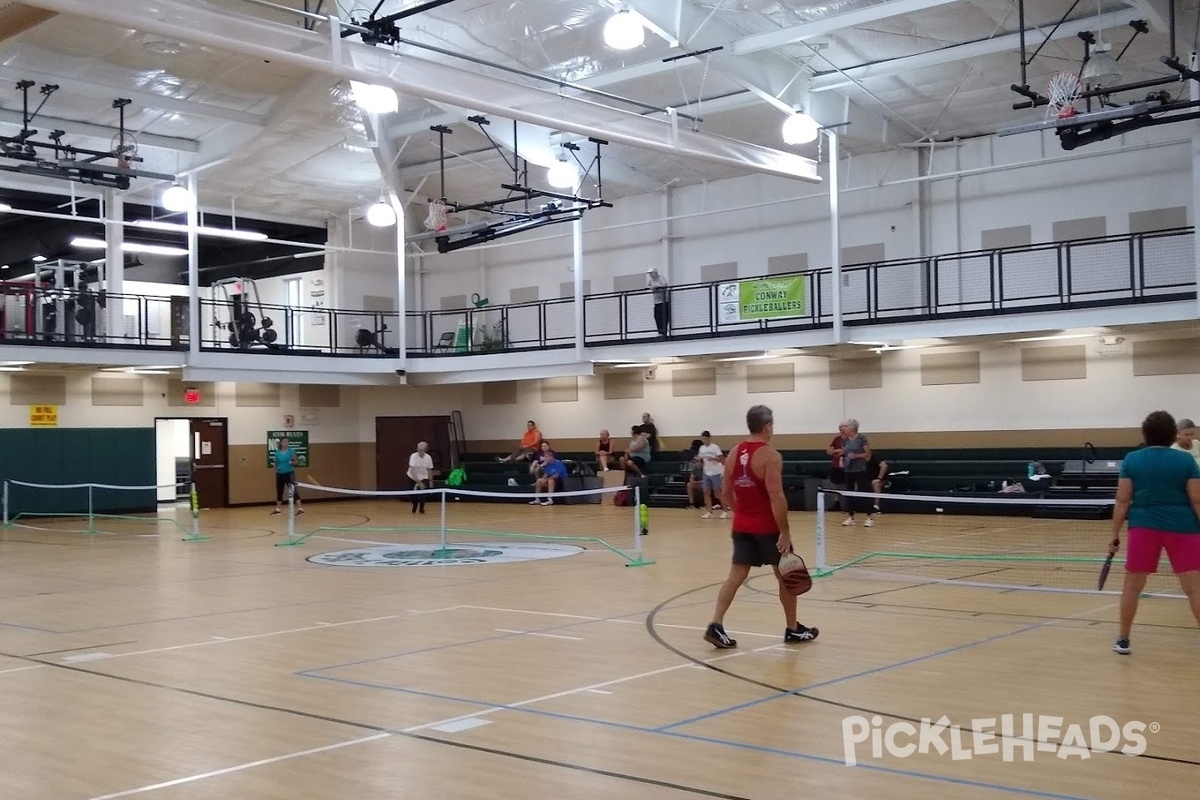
[(1057, 337), (12, 369), (224, 233), (5, 207), (129, 247), (645, 365)]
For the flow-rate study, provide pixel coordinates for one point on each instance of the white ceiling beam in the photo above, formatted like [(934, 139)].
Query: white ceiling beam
[(440, 82), (45, 124), (830, 24), (145, 99), (966, 52)]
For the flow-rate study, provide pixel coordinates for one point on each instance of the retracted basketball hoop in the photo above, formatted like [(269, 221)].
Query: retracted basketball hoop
[(1063, 92), (438, 214)]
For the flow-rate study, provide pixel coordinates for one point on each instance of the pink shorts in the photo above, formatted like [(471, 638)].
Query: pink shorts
[(1144, 547)]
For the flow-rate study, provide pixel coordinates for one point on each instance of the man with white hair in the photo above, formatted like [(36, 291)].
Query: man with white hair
[(662, 302), (1185, 439), (420, 471), (856, 455)]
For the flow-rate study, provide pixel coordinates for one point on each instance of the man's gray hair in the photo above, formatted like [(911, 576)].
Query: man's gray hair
[(1185, 423), (852, 424), (758, 418)]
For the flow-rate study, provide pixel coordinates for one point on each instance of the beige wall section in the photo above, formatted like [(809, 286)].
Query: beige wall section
[(333, 464)]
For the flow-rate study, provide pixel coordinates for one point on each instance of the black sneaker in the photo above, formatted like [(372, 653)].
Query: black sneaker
[(718, 638), (1122, 646), (799, 634)]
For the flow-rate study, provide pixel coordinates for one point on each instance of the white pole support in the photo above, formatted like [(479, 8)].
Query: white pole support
[(637, 519), (291, 520), (820, 531), (6, 504), (91, 511), (442, 522)]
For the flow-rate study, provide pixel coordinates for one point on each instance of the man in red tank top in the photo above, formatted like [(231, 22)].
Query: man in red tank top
[(753, 489)]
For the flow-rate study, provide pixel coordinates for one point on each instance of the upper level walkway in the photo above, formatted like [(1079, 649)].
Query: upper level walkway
[(1151, 274)]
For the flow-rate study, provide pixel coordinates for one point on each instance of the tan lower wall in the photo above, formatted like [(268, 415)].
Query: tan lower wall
[(881, 440), (339, 464)]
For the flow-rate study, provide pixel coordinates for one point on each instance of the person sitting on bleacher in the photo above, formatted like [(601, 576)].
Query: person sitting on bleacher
[(695, 472), (638, 456), (603, 451), (530, 443), (537, 465), (553, 474)]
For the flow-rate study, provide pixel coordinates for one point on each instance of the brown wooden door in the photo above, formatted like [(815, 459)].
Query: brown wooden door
[(396, 439), (209, 465)]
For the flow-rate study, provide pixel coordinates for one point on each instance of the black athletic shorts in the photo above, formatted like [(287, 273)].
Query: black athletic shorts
[(837, 476), (756, 549)]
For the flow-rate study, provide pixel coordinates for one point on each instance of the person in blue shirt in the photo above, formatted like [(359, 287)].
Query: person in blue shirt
[(554, 472), (1158, 495), (285, 475)]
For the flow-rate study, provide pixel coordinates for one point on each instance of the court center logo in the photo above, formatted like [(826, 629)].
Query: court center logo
[(452, 556), (1012, 737)]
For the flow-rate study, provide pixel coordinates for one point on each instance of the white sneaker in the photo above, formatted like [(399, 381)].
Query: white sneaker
[(724, 515), (547, 502), (846, 523), (707, 515), (870, 523), (535, 502)]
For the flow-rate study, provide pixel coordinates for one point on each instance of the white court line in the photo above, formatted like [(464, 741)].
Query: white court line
[(556, 695), (21, 669), (217, 640), (598, 691), (546, 635), (604, 619), (240, 767)]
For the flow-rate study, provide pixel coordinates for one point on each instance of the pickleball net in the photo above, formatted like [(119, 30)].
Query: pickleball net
[(96, 508), (1002, 541), (456, 518)]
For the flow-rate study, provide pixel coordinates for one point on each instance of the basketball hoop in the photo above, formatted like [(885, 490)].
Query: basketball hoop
[(1063, 91), (438, 212), (124, 149)]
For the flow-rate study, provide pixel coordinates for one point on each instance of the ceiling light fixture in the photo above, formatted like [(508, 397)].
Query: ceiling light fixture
[(5, 207), (1102, 69), (563, 174), (224, 233), (176, 198), (381, 215), (800, 128), (38, 259), (624, 30), (90, 243), (374, 99)]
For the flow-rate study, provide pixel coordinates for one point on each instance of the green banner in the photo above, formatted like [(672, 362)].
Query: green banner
[(298, 440), (768, 298)]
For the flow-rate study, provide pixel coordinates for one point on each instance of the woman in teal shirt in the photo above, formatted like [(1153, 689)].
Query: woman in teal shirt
[(285, 475), (1158, 494)]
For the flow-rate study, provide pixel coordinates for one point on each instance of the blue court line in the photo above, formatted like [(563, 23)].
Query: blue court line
[(829, 760), (852, 676)]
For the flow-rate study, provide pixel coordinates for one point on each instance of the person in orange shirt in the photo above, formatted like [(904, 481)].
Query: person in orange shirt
[(531, 443)]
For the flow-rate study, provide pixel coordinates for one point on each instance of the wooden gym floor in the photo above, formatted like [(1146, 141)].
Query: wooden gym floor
[(135, 664)]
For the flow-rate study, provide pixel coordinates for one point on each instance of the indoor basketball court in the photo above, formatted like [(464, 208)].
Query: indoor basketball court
[(237, 668)]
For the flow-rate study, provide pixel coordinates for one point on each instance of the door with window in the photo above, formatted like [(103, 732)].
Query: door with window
[(210, 469)]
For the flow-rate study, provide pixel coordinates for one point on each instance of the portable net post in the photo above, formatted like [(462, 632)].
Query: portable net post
[(194, 506), (6, 504), (820, 571), (443, 548), (638, 559)]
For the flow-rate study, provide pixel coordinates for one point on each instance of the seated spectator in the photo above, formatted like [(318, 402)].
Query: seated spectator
[(651, 430), (545, 451), (531, 442), (603, 451), (877, 468), (638, 455), (553, 473)]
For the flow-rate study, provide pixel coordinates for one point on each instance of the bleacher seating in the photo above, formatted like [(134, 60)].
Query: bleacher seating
[(974, 472)]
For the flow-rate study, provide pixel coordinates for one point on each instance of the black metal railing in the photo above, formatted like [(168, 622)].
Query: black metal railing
[(1112, 270), (31, 314)]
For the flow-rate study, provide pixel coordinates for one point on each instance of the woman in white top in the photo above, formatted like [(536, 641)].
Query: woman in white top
[(1186, 441), (420, 471)]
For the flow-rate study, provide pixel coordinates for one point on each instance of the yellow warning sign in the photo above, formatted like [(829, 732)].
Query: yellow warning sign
[(43, 416)]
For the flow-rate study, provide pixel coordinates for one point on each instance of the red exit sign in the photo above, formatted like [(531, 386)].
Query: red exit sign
[(191, 396)]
